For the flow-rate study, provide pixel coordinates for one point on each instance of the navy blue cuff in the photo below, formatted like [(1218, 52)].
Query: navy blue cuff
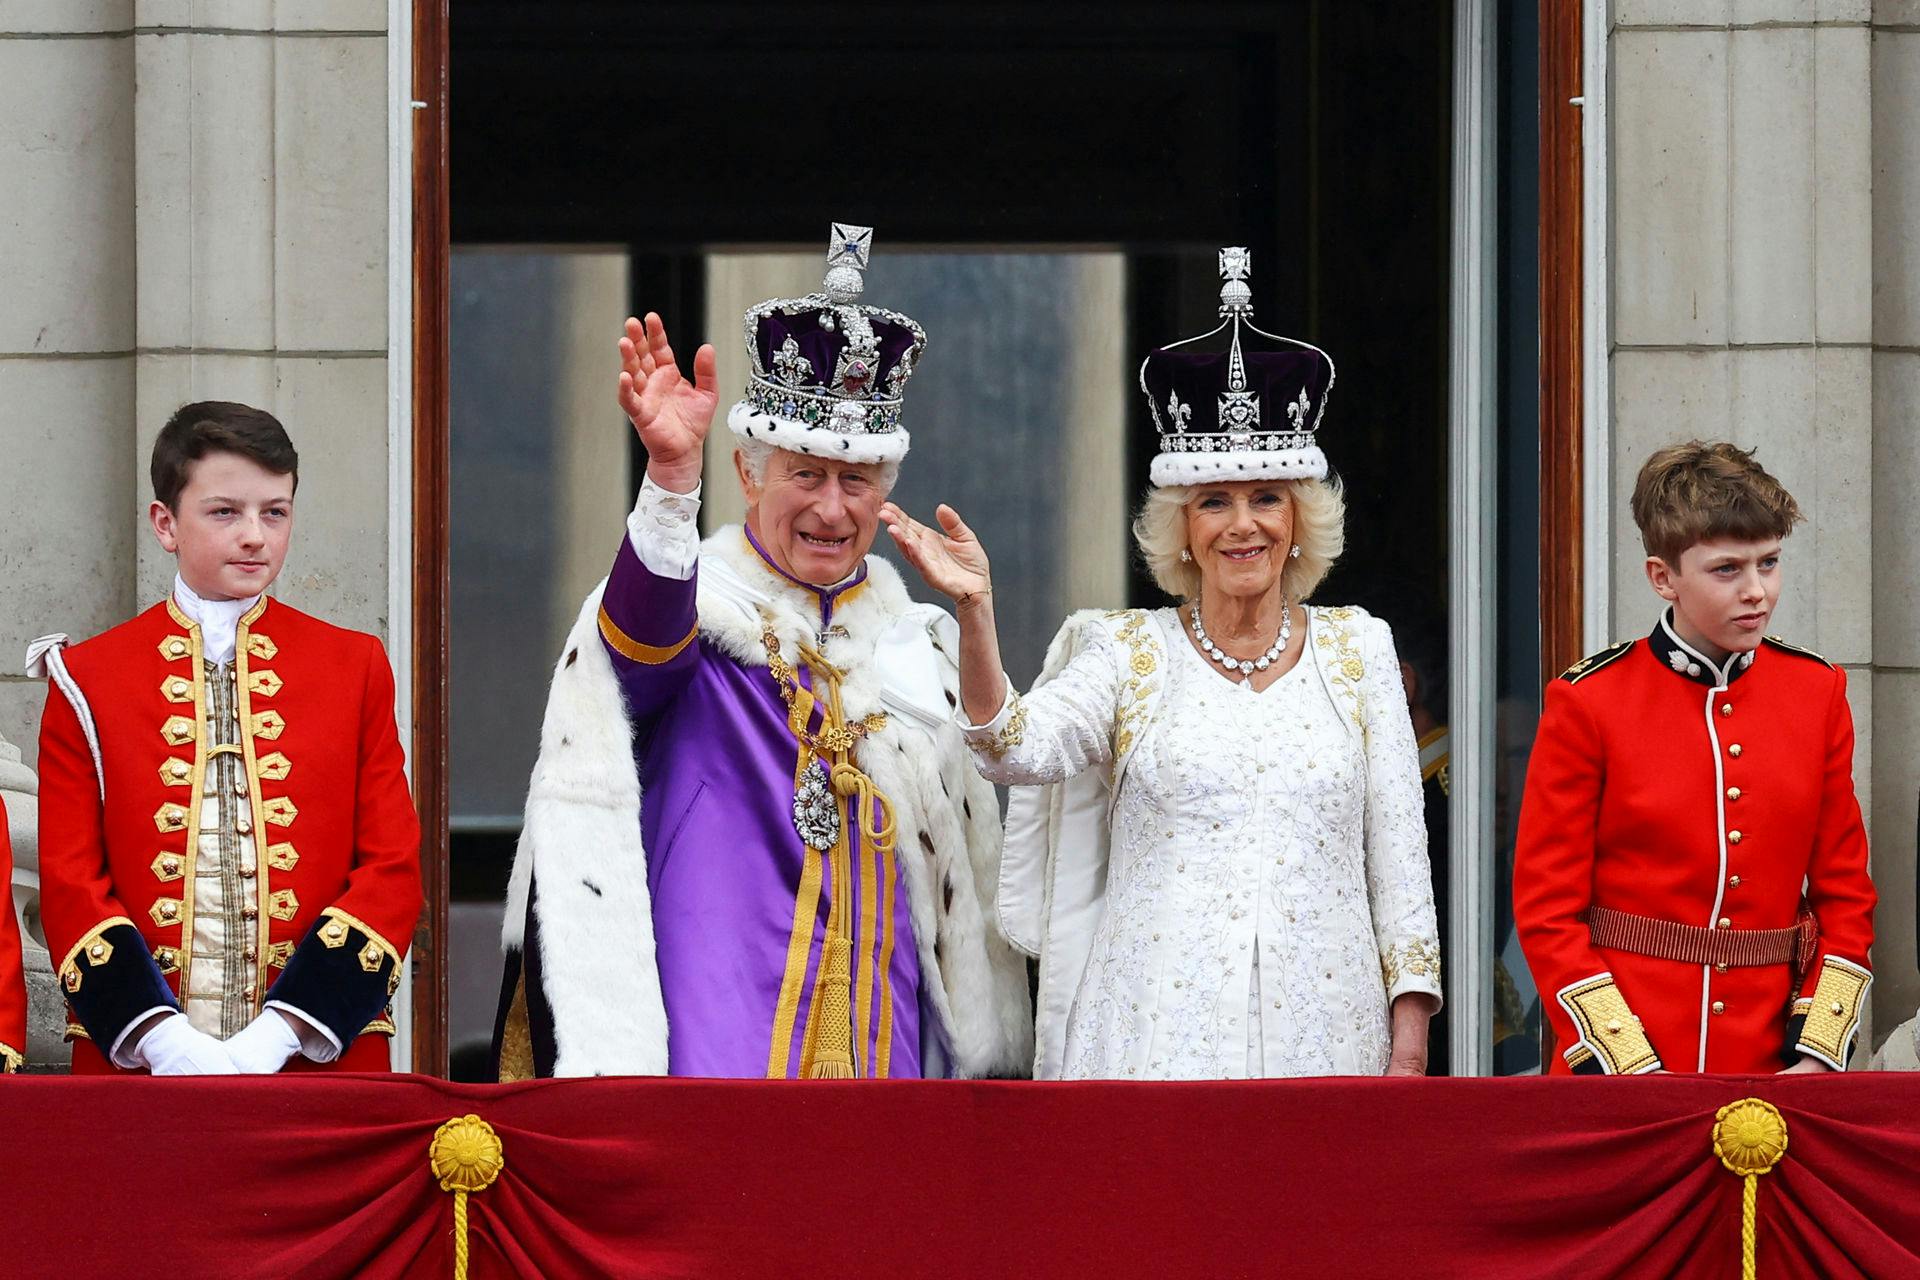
[(111, 978), (341, 976)]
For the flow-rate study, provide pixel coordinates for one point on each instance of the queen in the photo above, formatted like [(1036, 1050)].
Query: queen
[(1215, 844)]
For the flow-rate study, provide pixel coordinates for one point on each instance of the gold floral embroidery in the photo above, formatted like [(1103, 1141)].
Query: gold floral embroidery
[(1130, 717), (1344, 668), (1011, 733), (1417, 959)]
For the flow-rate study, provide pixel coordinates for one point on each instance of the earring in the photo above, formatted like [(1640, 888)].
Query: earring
[(1186, 556), (1295, 553)]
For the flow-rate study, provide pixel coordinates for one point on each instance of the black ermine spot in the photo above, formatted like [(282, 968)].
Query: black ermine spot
[(596, 888)]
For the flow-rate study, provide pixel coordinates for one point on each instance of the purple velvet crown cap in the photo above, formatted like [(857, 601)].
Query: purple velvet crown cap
[(822, 349)]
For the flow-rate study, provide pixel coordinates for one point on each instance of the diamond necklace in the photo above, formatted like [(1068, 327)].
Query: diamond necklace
[(1245, 666)]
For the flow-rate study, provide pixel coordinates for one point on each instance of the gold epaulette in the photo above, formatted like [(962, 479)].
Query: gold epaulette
[(1593, 662), (1778, 643)]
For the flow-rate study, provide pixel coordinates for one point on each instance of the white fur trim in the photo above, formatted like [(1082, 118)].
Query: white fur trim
[(1170, 469), (749, 423), (582, 823)]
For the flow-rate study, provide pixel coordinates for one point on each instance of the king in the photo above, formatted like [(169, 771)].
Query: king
[(754, 845)]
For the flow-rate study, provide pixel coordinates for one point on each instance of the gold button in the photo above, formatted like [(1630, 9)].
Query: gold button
[(96, 951), (1721, 967), (1733, 837), (1734, 750), (1613, 1028), (1719, 1006), (169, 909), (249, 872), (1726, 708), (1725, 923), (1837, 1008), (177, 648), (172, 865), (249, 993), (1733, 793), (249, 911), (253, 953), (243, 824), (1734, 881)]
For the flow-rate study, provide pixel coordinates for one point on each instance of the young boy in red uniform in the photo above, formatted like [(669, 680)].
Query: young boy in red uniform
[(1682, 790), (228, 851)]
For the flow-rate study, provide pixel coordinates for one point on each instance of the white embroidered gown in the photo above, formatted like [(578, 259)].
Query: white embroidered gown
[(1265, 888)]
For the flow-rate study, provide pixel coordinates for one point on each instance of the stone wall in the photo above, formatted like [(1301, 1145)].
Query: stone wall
[(1765, 238)]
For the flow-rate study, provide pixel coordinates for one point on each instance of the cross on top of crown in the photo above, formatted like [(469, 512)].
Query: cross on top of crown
[(849, 246), (1235, 263)]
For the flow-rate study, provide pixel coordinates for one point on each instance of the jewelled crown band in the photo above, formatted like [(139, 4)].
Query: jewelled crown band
[(1242, 414), (829, 372)]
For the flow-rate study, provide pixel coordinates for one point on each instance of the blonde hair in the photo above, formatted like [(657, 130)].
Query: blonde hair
[(1319, 529)]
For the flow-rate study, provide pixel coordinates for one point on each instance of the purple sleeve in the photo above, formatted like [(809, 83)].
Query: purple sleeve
[(649, 627)]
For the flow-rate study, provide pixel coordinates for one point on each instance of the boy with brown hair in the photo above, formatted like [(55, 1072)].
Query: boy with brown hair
[(228, 851), (1682, 790)]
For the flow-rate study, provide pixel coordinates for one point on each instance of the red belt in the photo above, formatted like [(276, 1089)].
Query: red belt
[(1691, 944)]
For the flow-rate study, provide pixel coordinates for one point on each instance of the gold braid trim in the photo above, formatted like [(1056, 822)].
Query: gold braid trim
[(11, 1059), (1607, 1027), (626, 646), (392, 952), (1833, 1018)]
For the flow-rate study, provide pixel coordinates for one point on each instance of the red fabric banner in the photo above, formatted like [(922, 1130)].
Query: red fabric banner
[(1583, 1177)]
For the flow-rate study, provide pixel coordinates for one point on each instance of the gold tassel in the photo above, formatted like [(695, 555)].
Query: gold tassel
[(833, 1051), (1749, 1136), (466, 1157)]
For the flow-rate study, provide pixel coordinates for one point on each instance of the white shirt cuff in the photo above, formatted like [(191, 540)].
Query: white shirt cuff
[(317, 1044), (664, 530), (127, 1056)]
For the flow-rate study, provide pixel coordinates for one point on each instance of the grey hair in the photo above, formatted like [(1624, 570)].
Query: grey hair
[(1319, 529), (755, 454)]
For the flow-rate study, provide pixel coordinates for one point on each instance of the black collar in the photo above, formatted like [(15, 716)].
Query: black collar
[(1687, 662)]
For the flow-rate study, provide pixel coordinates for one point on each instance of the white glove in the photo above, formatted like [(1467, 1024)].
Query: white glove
[(263, 1046), (174, 1047)]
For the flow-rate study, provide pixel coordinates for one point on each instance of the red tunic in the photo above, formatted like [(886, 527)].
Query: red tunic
[(13, 984), (1666, 788), (337, 866)]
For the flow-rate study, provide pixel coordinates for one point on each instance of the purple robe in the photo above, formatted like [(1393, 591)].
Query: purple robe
[(717, 760)]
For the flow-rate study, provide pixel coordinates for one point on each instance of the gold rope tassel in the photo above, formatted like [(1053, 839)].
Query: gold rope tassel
[(465, 1156), (1749, 1136), (833, 1050)]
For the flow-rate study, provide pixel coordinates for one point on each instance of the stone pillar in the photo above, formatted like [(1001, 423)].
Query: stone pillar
[(1895, 83), (1750, 234), (195, 207)]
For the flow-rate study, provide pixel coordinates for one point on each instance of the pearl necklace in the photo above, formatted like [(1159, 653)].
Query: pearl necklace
[(1246, 666)]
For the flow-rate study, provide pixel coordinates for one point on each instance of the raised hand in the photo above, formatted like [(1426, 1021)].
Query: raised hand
[(670, 414), (953, 562)]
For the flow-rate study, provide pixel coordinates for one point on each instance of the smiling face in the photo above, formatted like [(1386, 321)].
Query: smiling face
[(1239, 533), (1723, 592), (815, 518), (229, 528)]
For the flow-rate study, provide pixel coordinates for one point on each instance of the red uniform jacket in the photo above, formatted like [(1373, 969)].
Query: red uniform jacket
[(1667, 788), (13, 984), (337, 840)]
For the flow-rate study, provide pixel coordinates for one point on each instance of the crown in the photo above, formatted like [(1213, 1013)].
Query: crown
[(1239, 414), (828, 370)]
